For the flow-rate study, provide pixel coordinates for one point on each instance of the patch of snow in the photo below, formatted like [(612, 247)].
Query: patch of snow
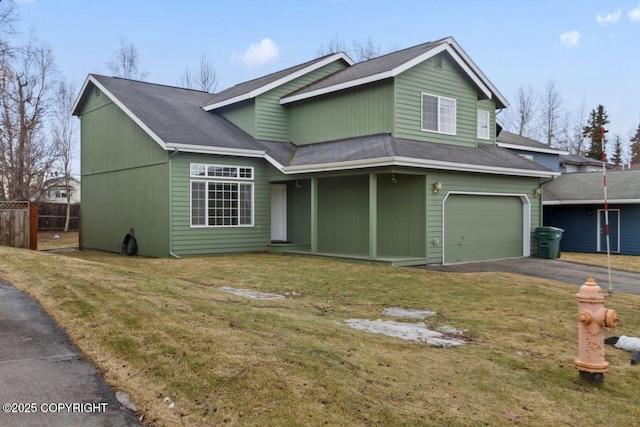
[(407, 313), (124, 401), (250, 294), (408, 331)]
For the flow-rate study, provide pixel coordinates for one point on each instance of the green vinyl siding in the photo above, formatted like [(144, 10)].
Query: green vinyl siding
[(362, 111), (479, 184), (241, 115), (189, 240), (401, 215), (271, 118), (450, 82), (299, 212), (124, 181), (343, 215)]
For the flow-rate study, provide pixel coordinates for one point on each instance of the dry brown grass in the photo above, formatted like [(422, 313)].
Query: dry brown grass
[(52, 240), (620, 262), (160, 327)]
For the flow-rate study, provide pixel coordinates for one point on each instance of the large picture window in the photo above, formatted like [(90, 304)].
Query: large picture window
[(221, 203), (438, 114)]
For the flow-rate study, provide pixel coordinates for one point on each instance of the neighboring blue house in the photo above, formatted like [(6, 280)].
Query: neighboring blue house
[(575, 203), (531, 149)]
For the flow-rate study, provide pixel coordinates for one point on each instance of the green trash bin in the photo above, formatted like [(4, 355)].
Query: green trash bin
[(549, 242)]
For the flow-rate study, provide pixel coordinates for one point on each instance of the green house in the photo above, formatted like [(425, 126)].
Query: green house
[(392, 159)]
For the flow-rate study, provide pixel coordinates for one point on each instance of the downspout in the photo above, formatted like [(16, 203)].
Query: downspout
[(175, 151)]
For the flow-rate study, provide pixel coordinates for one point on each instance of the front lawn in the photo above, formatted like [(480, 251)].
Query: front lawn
[(163, 328)]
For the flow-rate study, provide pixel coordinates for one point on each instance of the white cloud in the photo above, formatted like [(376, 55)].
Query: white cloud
[(634, 14), (260, 53), (609, 18), (570, 38)]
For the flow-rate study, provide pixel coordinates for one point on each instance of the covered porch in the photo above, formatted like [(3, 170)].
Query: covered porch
[(374, 217)]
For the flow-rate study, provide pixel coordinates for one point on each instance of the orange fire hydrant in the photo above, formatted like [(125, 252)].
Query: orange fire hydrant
[(592, 319)]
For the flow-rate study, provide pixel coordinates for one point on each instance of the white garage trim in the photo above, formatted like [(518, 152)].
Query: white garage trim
[(526, 217)]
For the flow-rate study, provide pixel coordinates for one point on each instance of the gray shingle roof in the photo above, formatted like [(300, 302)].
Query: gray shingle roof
[(523, 141), (579, 160), (385, 64), (575, 187), (175, 116), (373, 66), (251, 85), (384, 146)]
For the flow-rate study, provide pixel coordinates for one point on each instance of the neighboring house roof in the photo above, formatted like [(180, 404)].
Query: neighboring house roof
[(574, 159), (391, 65), (518, 142), (173, 117), (253, 88), (588, 188)]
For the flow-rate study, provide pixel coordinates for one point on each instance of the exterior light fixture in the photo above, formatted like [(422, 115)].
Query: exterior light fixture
[(537, 192), (437, 187), (394, 178), (298, 184)]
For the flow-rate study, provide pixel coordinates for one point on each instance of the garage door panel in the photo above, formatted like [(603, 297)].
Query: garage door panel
[(482, 227)]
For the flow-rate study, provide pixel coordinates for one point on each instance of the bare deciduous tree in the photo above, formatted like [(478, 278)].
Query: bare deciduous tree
[(526, 107), (576, 140), (26, 156), (358, 51), (551, 113), (204, 78), (364, 51), (7, 18), (125, 62), (64, 138)]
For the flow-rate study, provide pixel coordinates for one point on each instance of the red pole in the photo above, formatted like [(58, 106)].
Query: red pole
[(606, 207)]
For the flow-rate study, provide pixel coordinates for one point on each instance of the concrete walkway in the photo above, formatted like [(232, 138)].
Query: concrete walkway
[(552, 269), (43, 373)]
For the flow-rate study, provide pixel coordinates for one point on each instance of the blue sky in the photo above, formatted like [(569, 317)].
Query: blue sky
[(590, 49)]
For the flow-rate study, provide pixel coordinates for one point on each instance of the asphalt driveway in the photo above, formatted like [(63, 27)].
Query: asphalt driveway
[(553, 269), (44, 380)]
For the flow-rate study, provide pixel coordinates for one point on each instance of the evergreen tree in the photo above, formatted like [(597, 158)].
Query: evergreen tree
[(595, 132), (617, 152), (635, 147)]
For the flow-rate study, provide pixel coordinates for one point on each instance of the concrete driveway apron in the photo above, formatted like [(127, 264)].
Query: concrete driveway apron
[(552, 269)]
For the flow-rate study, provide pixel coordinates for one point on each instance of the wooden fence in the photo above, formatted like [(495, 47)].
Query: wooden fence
[(19, 225), (52, 216)]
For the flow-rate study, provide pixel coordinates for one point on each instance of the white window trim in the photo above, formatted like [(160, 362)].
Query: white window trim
[(206, 203), (455, 116), (208, 165), (488, 115), (237, 180)]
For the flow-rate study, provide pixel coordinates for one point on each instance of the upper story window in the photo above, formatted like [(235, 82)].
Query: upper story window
[(483, 124), (219, 171), (438, 114), (224, 200)]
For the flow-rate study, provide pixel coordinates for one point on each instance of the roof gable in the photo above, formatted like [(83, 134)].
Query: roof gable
[(253, 88), (169, 115), (392, 64)]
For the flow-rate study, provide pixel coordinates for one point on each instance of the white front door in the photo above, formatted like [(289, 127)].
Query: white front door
[(278, 213)]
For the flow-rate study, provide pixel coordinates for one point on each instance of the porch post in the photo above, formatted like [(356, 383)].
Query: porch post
[(373, 215), (314, 215)]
